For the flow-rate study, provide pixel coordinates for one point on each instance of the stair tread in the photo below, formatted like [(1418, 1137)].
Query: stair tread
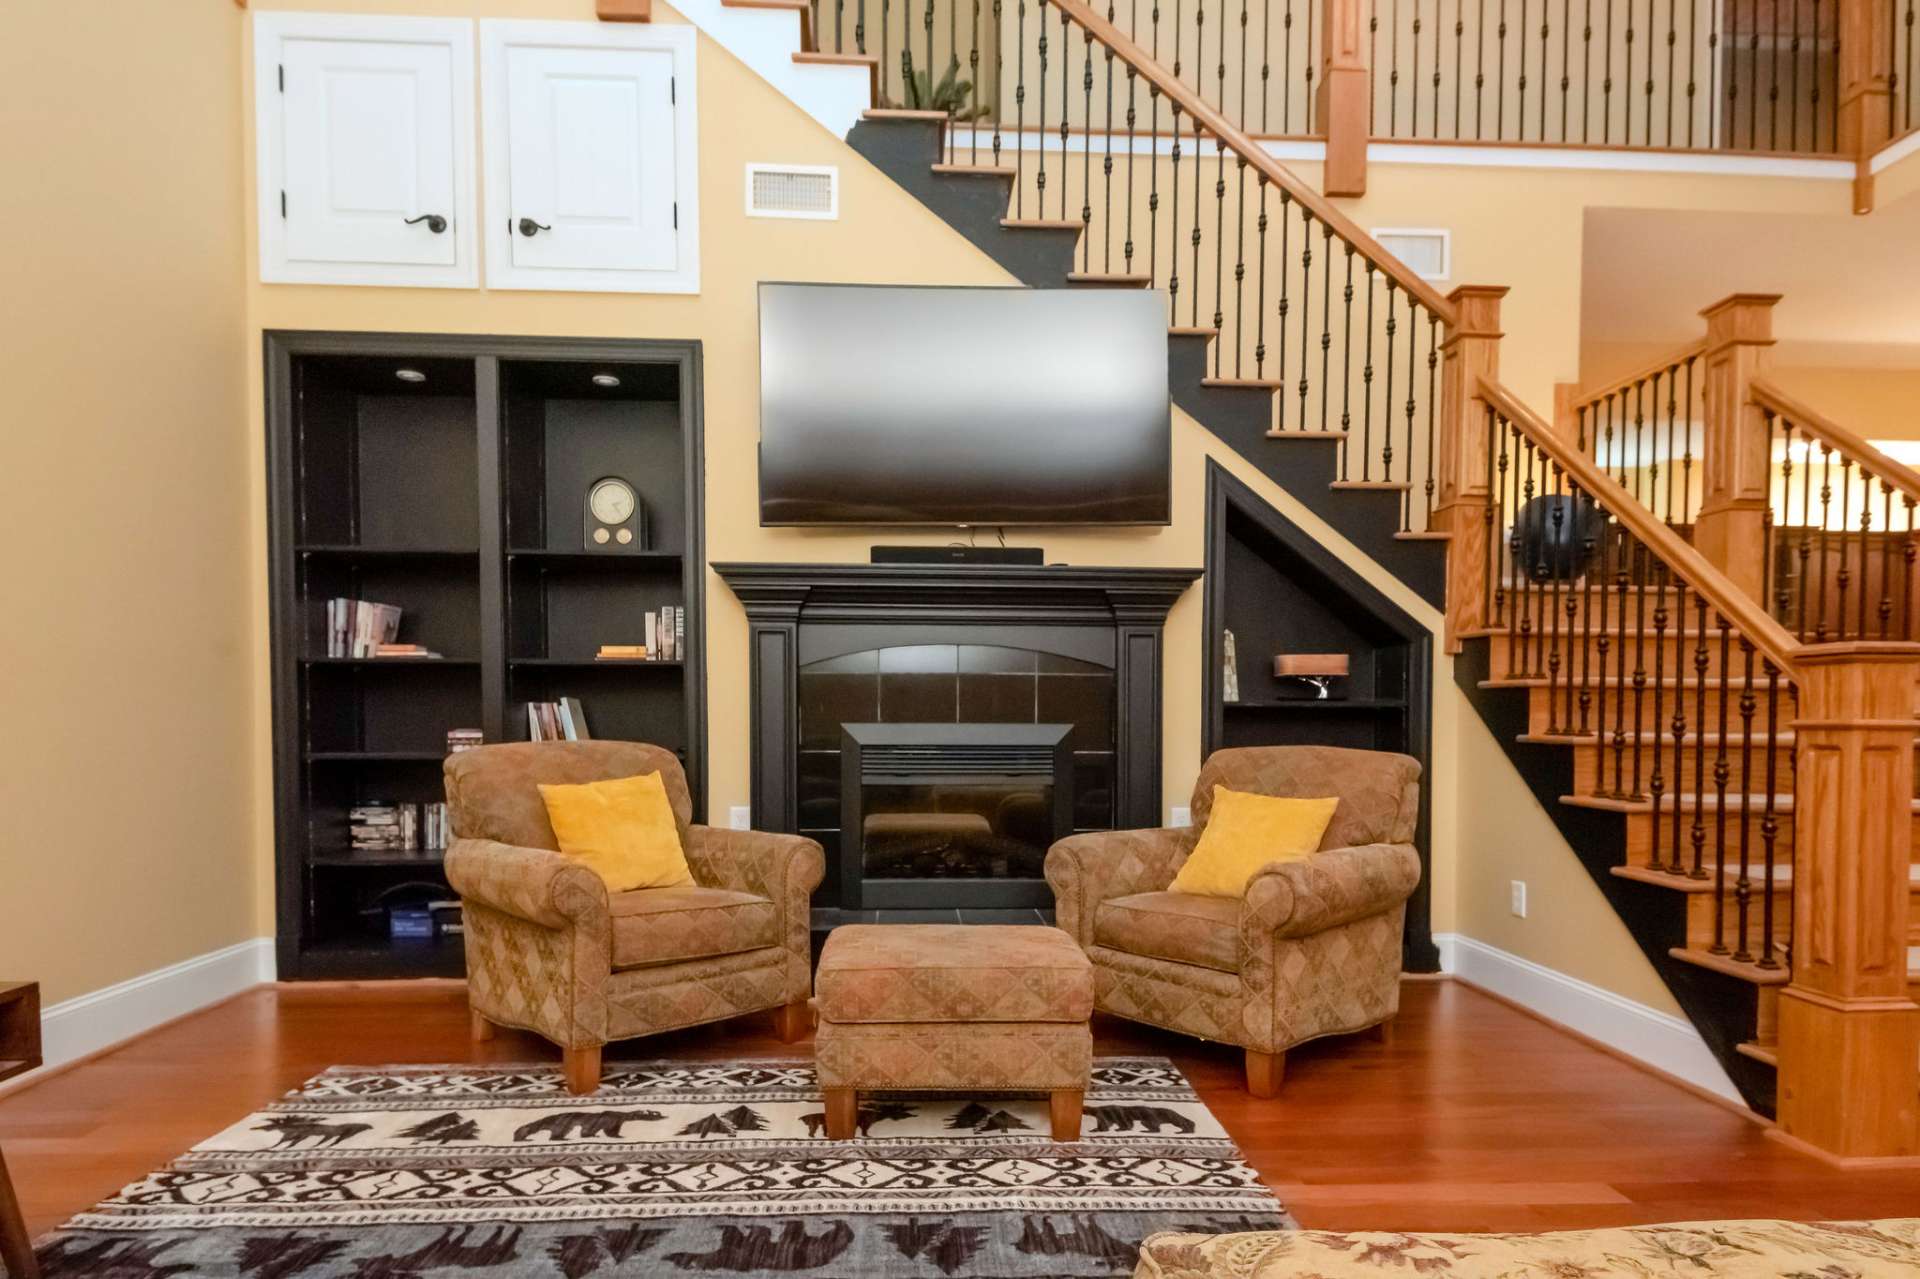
[(837, 59), (1782, 877), (1762, 1052), (1731, 967), (1367, 486), (1109, 277), (1042, 224), (1191, 331), (1335, 436), (1247, 384), (975, 171), (871, 113), (1423, 535)]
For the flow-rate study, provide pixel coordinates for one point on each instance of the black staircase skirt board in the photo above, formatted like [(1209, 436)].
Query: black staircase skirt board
[(907, 150), (1725, 1010)]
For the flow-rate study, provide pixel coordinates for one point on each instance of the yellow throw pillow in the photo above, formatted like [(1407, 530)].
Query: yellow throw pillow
[(622, 830), (1244, 832)]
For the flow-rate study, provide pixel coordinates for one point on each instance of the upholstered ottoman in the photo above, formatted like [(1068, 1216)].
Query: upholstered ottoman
[(953, 1008)]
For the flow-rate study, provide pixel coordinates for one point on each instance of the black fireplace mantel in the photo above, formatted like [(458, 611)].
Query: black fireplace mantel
[(1130, 603)]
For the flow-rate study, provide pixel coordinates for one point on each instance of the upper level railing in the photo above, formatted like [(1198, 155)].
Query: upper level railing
[(1842, 549), (1742, 75), (1643, 429)]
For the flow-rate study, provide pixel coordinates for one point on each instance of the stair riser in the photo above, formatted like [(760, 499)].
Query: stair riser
[(1640, 838), (1545, 716), (1700, 910), (1523, 655), (1594, 767)]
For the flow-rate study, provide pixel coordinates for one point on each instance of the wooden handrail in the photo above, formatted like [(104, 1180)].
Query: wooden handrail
[(1584, 398), (1747, 614), (1845, 442), (1247, 149)]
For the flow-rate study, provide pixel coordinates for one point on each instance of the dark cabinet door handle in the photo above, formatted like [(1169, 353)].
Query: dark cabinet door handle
[(529, 227), (435, 223)]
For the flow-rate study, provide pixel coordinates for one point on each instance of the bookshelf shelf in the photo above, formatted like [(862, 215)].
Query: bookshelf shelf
[(1315, 706), (391, 661), (599, 663), (348, 550), (460, 500)]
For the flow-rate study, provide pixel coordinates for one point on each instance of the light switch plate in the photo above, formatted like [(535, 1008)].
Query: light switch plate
[(1520, 898), (740, 817), (1180, 816)]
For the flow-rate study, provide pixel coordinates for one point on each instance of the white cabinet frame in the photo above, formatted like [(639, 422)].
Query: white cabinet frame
[(497, 36), (270, 29)]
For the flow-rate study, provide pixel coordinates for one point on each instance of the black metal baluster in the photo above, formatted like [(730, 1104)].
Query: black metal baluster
[(1885, 609), (1173, 225), (1907, 553), (1433, 399), (1679, 725), (1602, 648), (1697, 831), (1480, 73), (1686, 456), (1498, 513), (1806, 534), (1306, 57), (1783, 598), (1843, 576), (1657, 780), (1286, 299), (1086, 151), (1346, 370), (1106, 174), (1622, 579), (1019, 101), (1793, 96), (1550, 582), (1566, 72), (1722, 774), (1219, 258), (1769, 819), (1240, 264), (1593, 525), (1520, 648), (1639, 669), (1286, 68), (1393, 72), (1306, 305), (1266, 69), (1693, 44), (1066, 97), (1260, 285), (1459, 41), (1194, 235), (1326, 321), (1500, 78), (1386, 402), (1586, 73), (1743, 886), (1671, 39), (1366, 385), (1413, 341), (1866, 530), (1606, 83)]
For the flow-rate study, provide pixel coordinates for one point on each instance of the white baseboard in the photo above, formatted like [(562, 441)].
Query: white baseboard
[(73, 1028), (1659, 1039)]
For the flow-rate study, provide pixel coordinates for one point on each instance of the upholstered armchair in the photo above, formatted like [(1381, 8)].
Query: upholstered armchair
[(1312, 949), (550, 950)]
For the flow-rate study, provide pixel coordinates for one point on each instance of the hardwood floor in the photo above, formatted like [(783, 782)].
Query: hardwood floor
[(1474, 1117)]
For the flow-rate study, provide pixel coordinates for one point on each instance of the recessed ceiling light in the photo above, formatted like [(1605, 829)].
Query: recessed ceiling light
[(410, 375), (605, 379)]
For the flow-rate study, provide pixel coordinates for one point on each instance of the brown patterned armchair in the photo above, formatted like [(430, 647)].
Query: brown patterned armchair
[(1314, 947), (550, 950)]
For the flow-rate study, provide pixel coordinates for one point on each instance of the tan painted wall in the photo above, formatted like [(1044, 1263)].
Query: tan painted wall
[(128, 691)]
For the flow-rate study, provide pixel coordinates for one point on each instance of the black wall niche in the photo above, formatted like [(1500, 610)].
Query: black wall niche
[(1280, 591)]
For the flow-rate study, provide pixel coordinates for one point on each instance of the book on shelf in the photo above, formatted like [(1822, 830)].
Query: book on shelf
[(382, 827), (622, 653), (666, 632), (464, 739), (357, 628), (403, 650), (561, 721)]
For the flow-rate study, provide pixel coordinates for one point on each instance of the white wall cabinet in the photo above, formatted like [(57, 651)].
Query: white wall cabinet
[(365, 142), (592, 178)]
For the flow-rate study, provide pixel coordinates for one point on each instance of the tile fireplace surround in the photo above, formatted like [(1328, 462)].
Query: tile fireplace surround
[(868, 644)]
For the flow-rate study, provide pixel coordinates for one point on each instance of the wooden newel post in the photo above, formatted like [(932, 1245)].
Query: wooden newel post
[(1472, 351), (1866, 91), (1849, 1033), (1735, 463), (1343, 97)]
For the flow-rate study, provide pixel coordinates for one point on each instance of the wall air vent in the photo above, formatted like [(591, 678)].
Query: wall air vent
[(1428, 250), (793, 191)]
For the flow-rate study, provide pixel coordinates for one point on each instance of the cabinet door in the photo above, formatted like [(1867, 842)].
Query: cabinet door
[(589, 157), (366, 139)]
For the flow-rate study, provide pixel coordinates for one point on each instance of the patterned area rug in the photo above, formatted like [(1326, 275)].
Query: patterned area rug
[(672, 1169)]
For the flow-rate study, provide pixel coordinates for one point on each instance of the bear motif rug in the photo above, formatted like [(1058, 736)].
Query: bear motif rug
[(673, 1169)]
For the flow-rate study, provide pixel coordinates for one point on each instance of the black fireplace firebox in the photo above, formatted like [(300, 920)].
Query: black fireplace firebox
[(951, 815)]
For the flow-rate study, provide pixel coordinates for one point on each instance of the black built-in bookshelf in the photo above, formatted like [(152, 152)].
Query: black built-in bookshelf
[(1280, 591), (460, 498)]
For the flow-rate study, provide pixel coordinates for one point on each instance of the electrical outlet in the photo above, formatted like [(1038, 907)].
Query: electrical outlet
[(1520, 898), (740, 817), (1180, 816)]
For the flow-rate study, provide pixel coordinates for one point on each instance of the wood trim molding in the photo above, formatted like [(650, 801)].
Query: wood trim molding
[(1747, 614), (1344, 97), (624, 10)]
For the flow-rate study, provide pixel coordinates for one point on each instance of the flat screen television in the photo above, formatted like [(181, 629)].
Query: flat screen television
[(963, 406)]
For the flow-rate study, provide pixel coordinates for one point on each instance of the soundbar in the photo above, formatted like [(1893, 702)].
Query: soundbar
[(958, 555)]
